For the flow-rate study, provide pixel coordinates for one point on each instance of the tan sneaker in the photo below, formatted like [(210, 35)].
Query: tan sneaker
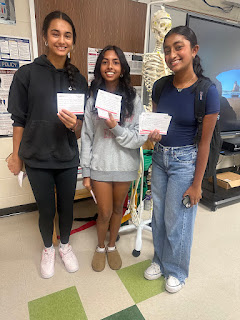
[(114, 259), (98, 261)]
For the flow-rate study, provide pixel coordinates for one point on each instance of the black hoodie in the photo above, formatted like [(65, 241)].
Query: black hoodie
[(46, 142)]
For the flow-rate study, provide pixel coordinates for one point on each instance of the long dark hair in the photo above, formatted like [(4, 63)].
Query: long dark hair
[(191, 37), (70, 68), (125, 88)]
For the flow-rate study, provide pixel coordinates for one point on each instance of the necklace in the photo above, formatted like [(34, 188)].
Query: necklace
[(185, 85)]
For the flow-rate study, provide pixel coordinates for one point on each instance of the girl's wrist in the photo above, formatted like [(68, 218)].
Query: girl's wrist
[(15, 156), (73, 129), (197, 184)]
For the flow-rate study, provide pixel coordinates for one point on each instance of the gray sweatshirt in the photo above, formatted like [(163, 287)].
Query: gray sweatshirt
[(111, 154)]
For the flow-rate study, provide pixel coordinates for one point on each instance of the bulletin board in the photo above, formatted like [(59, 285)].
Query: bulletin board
[(14, 52)]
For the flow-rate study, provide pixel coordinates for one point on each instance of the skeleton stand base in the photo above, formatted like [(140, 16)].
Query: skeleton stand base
[(137, 222)]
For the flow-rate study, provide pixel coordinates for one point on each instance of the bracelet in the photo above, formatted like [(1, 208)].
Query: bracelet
[(74, 128)]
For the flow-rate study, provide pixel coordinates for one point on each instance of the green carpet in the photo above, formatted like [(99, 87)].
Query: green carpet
[(127, 314), (61, 305), (138, 287)]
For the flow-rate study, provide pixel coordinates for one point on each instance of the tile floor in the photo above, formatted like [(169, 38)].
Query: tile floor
[(212, 291)]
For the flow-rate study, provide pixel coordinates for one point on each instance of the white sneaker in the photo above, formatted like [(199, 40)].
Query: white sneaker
[(47, 262), (69, 259), (153, 272), (173, 285)]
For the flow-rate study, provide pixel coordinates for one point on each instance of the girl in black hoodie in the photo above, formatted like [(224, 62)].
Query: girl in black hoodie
[(45, 139)]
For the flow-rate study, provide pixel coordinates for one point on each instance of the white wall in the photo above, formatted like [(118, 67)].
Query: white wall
[(22, 27), (10, 193), (201, 7)]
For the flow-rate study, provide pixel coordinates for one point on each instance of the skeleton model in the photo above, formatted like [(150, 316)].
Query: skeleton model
[(154, 65)]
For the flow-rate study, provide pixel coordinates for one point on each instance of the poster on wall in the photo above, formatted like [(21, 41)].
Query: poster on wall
[(134, 60), (7, 12), (14, 52), (7, 70), (93, 54), (15, 48)]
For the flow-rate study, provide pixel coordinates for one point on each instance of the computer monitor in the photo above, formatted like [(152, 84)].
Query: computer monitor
[(219, 51)]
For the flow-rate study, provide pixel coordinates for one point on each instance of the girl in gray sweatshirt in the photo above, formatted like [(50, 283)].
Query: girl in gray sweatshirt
[(110, 154)]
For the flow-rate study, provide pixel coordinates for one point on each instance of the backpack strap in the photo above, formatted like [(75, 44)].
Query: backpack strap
[(201, 90), (159, 85)]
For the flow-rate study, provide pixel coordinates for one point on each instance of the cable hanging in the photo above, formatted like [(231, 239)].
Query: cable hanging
[(224, 9)]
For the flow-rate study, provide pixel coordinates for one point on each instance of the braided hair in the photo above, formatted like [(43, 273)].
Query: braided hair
[(125, 88), (70, 68)]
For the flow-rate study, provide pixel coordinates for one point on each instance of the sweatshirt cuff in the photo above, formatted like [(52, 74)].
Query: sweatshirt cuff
[(86, 172), (17, 124), (18, 121), (117, 130)]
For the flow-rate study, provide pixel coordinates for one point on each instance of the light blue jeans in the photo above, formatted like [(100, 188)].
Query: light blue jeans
[(172, 223)]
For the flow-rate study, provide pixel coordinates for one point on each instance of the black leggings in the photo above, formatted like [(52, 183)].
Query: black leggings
[(42, 182)]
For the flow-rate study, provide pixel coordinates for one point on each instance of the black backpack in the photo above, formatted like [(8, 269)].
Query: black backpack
[(201, 90)]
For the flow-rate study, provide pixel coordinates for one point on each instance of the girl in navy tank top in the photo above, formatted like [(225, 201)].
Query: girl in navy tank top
[(178, 164)]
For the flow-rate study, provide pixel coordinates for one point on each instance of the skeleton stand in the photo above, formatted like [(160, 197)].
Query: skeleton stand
[(154, 67), (136, 212)]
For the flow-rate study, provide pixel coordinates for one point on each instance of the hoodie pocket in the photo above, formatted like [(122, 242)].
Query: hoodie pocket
[(44, 140)]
